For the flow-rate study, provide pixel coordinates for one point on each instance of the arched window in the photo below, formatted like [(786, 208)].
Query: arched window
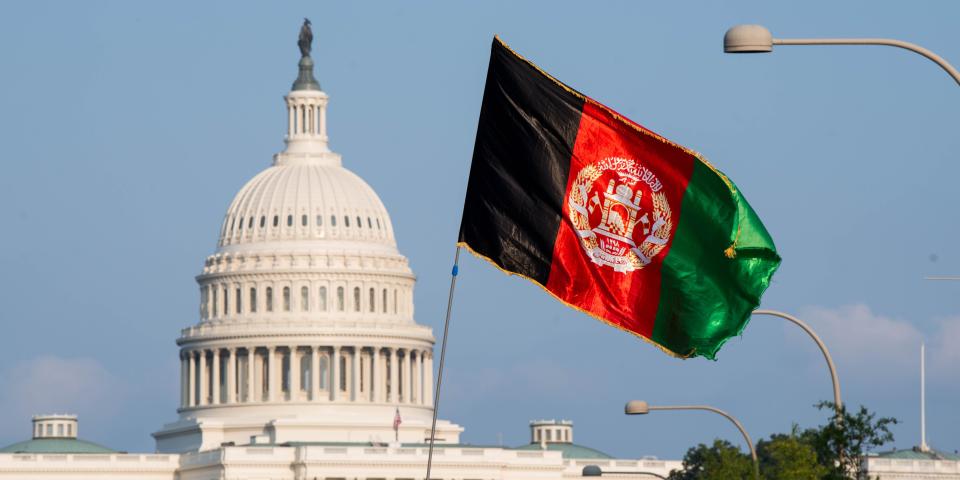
[(250, 223), (356, 299), (304, 299), (276, 220), (324, 366), (263, 221), (339, 299), (303, 220), (253, 300), (214, 302), (269, 299), (372, 300), (319, 220), (359, 223), (346, 221), (285, 361), (394, 300), (323, 299), (286, 299), (289, 220), (240, 226), (333, 221), (383, 303), (343, 373), (226, 303), (369, 223), (238, 301)]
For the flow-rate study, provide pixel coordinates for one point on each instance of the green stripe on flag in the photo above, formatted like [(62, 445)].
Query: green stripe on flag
[(706, 297)]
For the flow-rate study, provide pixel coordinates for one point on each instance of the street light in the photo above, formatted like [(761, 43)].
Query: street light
[(639, 407), (758, 39), (837, 403), (595, 471)]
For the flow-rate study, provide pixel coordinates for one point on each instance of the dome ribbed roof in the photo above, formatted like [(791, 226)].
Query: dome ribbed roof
[(306, 201), (55, 445)]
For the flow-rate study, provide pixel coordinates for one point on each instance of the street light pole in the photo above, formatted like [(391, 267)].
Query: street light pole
[(837, 403), (639, 407), (758, 39)]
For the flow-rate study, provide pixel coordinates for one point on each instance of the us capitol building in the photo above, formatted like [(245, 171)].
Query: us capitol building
[(306, 351)]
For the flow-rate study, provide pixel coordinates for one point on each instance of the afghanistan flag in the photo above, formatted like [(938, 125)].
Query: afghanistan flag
[(609, 217)]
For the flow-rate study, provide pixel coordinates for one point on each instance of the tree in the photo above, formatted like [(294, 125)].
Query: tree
[(842, 445), (721, 461), (788, 457)]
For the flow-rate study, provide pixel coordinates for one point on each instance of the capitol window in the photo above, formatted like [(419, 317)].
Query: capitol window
[(303, 221), (333, 220), (369, 223), (289, 220), (378, 224), (372, 298), (359, 223), (276, 220), (323, 299), (323, 372), (304, 299), (394, 300), (253, 300), (250, 223), (238, 302), (339, 299), (346, 221), (286, 299), (263, 221), (356, 299), (384, 302), (226, 301), (214, 302), (319, 220), (269, 299)]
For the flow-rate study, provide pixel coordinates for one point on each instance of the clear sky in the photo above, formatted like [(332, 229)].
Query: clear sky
[(127, 127)]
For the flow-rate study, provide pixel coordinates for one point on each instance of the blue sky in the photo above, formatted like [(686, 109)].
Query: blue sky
[(128, 127)]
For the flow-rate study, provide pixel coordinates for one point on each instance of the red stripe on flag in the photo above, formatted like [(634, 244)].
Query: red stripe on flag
[(616, 172)]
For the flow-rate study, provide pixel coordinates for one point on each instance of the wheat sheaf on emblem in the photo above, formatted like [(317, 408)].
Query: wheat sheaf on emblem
[(622, 216)]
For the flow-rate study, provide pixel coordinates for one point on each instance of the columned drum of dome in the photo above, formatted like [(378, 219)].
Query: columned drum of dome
[(306, 329)]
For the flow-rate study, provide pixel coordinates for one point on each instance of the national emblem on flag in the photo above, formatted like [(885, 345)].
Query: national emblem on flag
[(609, 217)]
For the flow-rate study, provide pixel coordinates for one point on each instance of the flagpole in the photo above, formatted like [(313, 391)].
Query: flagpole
[(443, 354)]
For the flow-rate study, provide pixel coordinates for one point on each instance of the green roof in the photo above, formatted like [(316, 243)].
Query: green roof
[(55, 445), (569, 450), (916, 454)]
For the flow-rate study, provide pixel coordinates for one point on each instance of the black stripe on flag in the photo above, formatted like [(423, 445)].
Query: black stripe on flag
[(521, 160)]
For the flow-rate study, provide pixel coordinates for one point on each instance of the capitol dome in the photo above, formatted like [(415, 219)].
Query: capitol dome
[(306, 327)]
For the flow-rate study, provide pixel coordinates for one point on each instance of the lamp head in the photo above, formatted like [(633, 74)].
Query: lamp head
[(748, 39), (636, 407), (592, 471)]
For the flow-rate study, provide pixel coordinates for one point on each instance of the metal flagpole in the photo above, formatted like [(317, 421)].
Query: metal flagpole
[(443, 354)]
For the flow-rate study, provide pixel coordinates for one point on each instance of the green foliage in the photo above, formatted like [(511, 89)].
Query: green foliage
[(834, 451), (841, 445), (789, 457), (721, 461)]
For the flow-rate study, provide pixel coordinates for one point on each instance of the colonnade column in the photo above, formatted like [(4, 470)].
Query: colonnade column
[(294, 374), (215, 377), (251, 369), (355, 375), (231, 383), (428, 383), (394, 398), (418, 377), (272, 373), (375, 377), (183, 380), (314, 373), (335, 374), (406, 377), (192, 385), (202, 370)]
